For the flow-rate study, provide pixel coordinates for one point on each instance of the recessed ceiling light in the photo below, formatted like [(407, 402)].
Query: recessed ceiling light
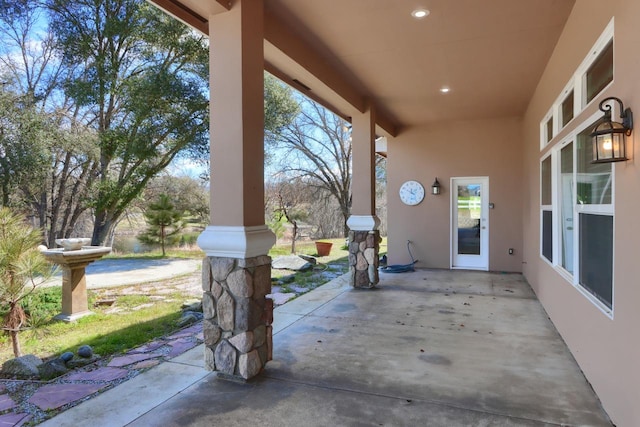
[(444, 89), (420, 13)]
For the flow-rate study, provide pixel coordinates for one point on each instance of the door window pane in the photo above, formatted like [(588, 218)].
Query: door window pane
[(566, 207), (600, 73), (469, 211), (594, 180), (547, 235)]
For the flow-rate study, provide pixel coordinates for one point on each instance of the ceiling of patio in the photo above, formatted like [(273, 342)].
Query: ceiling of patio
[(489, 53)]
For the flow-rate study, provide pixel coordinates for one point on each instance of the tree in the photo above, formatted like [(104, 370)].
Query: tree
[(22, 269), (165, 223), (290, 198), (141, 77), (187, 194), (317, 146)]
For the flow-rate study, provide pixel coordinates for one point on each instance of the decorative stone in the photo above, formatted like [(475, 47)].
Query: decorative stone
[(259, 335), (85, 351), (221, 267), (240, 283), (248, 315), (249, 365), (269, 343), (362, 279), (243, 342), (226, 312), (371, 240), (254, 262), (207, 278), (352, 259), (212, 332), (216, 290), (186, 319), (263, 352), (66, 356), (291, 262), (267, 312), (261, 281), (354, 247), (209, 359), (80, 362), (370, 256), (52, 369), (225, 358), (192, 305), (208, 306), (363, 246), (361, 263), (373, 274), (22, 367)]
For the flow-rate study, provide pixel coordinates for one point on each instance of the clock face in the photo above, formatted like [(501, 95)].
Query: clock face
[(411, 193)]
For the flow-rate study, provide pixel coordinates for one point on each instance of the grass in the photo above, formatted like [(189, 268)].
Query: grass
[(132, 320), (136, 317)]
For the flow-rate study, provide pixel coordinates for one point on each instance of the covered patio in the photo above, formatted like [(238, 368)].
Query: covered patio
[(432, 347)]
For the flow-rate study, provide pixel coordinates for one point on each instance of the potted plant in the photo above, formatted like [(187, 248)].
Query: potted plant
[(323, 248)]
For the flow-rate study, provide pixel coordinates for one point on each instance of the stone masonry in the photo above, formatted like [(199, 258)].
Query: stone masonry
[(363, 258), (237, 316)]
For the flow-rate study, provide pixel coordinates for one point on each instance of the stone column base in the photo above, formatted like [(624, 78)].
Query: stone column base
[(364, 247), (237, 316)]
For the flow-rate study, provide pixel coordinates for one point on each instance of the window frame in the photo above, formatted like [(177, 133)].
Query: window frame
[(577, 83), (595, 209)]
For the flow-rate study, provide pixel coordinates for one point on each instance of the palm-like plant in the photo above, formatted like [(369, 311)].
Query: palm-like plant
[(22, 269)]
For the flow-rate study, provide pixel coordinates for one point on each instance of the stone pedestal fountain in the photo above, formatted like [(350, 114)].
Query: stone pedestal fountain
[(73, 257)]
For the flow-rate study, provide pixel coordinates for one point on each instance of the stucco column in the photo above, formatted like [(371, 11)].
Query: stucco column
[(364, 237), (236, 269)]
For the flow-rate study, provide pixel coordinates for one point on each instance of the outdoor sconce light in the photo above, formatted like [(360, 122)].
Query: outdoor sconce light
[(435, 187), (609, 143)]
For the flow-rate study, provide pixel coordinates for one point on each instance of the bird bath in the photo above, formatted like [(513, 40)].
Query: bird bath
[(73, 257)]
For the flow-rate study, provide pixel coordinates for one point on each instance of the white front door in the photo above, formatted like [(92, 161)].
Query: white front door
[(470, 223)]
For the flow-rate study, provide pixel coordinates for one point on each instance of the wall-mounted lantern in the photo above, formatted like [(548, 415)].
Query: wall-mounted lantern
[(435, 187), (609, 143)]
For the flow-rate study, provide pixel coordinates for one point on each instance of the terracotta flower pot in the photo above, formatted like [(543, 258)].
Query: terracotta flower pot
[(323, 248)]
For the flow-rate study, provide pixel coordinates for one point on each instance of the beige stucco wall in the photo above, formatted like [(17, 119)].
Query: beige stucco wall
[(607, 350), (455, 149)]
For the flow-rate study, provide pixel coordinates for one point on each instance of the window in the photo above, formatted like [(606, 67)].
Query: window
[(600, 73), (567, 207), (566, 109), (589, 80), (576, 216), (546, 209)]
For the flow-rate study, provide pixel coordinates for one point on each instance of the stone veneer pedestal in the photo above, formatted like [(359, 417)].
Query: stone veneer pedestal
[(237, 316), (364, 247)]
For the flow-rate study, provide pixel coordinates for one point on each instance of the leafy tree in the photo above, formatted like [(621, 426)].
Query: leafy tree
[(164, 223), (187, 194), (141, 77), (317, 146), (22, 269)]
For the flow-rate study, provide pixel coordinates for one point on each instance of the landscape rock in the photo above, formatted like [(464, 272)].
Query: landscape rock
[(22, 367), (189, 317), (52, 369), (85, 351), (291, 262), (309, 258), (66, 356), (81, 361), (192, 305)]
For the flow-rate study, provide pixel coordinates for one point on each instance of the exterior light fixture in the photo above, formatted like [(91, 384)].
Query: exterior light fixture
[(445, 89), (435, 187), (609, 143)]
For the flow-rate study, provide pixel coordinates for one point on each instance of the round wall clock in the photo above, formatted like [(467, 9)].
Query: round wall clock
[(411, 193)]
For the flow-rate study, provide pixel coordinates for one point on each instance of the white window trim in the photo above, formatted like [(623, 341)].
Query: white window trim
[(578, 84), (574, 278)]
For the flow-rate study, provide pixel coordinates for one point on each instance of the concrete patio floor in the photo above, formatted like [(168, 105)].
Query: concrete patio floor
[(431, 347)]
